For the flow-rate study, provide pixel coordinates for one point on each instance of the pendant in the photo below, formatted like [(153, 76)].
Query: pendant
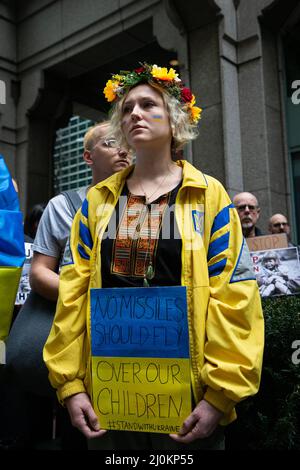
[(150, 272), (148, 276)]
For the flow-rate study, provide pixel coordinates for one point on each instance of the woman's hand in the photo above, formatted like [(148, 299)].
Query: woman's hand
[(200, 424), (83, 415)]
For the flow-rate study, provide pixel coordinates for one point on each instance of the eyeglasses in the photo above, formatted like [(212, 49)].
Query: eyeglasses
[(242, 207), (110, 143), (278, 224)]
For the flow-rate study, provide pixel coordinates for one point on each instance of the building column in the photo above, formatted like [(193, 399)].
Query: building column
[(29, 89), (38, 108), (233, 164), (260, 110), (8, 85), (171, 35)]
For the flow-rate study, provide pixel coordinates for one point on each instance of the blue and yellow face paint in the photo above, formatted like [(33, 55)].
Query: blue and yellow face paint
[(157, 117)]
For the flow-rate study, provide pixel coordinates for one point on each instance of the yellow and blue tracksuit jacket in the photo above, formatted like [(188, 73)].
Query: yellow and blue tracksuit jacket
[(226, 328)]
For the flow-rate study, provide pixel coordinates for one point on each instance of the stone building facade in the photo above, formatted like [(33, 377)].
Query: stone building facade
[(240, 57)]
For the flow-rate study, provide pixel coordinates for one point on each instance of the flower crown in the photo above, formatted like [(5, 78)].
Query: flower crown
[(152, 74)]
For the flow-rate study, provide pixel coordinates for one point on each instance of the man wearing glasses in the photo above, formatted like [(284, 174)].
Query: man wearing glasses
[(278, 223), (248, 209), (102, 155), (104, 159)]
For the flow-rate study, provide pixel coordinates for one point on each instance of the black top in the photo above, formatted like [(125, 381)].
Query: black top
[(127, 249), (258, 232)]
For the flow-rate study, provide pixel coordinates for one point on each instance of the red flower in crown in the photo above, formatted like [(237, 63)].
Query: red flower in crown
[(139, 70), (186, 95)]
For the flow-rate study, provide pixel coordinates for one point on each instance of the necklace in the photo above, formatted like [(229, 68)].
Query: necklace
[(147, 198), (149, 272)]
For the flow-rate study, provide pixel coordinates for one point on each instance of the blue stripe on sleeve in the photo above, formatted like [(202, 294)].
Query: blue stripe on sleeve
[(85, 235), (221, 219), (216, 268), (82, 252), (217, 246), (85, 208)]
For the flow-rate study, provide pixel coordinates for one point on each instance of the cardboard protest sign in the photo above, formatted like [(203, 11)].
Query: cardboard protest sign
[(268, 242), (140, 358)]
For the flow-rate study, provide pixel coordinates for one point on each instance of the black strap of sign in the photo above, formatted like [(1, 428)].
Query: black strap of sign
[(73, 199)]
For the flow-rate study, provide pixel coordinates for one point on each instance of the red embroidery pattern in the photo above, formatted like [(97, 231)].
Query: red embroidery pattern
[(137, 236)]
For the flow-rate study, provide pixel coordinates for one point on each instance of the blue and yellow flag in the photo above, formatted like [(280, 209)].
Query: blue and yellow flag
[(12, 253)]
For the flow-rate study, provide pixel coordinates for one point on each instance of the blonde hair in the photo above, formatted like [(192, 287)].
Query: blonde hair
[(90, 137), (183, 130)]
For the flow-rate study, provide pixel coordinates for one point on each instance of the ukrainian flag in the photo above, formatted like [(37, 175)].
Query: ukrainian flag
[(12, 252)]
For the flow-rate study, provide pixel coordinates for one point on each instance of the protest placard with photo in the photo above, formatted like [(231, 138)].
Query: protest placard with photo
[(277, 271), (24, 286)]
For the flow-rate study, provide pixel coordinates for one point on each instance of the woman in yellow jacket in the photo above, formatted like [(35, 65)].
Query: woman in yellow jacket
[(155, 115)]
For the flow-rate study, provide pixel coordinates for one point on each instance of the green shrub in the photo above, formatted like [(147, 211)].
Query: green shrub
[(271, 419)]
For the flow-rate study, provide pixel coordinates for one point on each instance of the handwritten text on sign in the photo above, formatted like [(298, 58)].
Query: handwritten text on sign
[(141, 374)]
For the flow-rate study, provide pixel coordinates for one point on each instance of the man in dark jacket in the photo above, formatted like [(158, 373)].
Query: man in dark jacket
[(248, 209)]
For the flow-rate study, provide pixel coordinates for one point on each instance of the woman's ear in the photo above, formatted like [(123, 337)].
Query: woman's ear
[(87, 157)]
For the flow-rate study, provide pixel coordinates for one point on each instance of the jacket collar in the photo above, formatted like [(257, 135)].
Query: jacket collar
[(114, 182), (191, 177)]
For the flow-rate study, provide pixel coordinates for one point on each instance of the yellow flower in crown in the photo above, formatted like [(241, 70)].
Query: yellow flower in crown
[(195, 113), (193, 101), (110, 90), (162, 73)]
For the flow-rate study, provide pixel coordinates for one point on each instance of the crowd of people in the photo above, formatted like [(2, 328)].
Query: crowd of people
[(153, 117), (275, 276), (249, 211)]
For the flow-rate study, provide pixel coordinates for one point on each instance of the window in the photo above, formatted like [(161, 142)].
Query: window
[(70, 170), (296, 183), (292, 78)]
